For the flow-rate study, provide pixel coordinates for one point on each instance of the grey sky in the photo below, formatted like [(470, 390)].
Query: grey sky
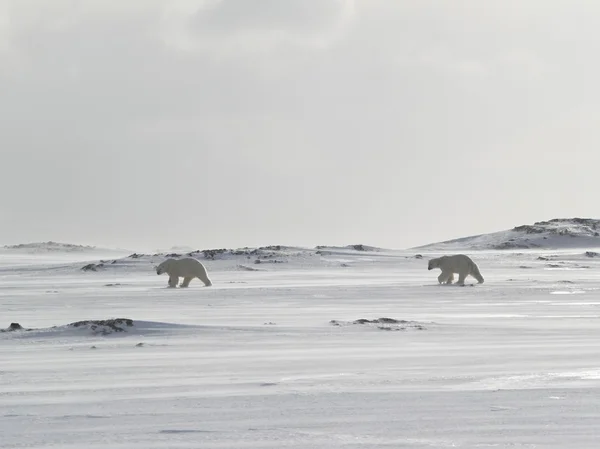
[(224, 123)]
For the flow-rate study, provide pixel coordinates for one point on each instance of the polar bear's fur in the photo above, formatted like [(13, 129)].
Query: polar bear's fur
[(187, 268), (458, 263)]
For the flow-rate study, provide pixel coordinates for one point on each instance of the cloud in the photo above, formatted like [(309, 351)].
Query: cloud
[(255, 25)]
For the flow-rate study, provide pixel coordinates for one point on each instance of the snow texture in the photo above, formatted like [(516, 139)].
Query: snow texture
[(301, 353)]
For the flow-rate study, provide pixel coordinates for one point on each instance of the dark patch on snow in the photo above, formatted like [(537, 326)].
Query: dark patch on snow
[(258, 261), (246, 268), (529, 229), (512, 244), (104, 327), (210, 253), (92, 266), (135, 256), (14, 327), (379, 320), (591, 254), (271, 248), (263, 252), (383, 324)]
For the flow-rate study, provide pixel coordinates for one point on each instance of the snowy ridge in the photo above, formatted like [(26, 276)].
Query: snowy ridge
[(92, 328), (552, 234), (53, 247), (263, 258)]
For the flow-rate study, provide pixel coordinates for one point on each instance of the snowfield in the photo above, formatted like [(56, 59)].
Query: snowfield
[(354, 347)]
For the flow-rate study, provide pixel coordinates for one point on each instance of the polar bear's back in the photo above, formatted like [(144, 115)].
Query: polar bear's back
[(456, 262), (188, 267)]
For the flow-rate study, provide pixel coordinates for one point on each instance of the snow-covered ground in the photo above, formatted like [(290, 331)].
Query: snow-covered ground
[(270, 356)]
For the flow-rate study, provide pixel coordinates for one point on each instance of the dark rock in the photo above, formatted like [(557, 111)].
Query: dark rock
[(591, 254), (212, 253), (510, 244), (380, 320), (271, 248), (104, 327), (13, 327), (528, 229), (386, 324), (92, 267)]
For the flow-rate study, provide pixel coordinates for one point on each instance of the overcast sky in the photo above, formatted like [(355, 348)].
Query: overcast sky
[(227, 123)]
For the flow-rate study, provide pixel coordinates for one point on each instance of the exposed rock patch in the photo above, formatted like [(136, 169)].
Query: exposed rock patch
[(104, 327), (387, 324), (92, 266), (14, 327)]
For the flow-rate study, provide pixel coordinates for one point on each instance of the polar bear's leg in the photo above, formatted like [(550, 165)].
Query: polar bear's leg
[(204, 278), (450, 279), (186, 281), (173, 280), (445, 276), (461, 278)]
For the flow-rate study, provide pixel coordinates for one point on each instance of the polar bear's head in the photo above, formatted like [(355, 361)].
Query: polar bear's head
[(433, 263), (164, 266)]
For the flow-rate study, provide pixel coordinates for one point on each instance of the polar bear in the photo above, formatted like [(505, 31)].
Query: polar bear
[(187, 268), (458, 263)]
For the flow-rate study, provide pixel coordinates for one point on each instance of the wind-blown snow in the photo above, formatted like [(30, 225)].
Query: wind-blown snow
[(328, 348)]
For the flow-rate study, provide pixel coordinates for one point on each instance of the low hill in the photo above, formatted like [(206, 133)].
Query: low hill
[(552, 234)]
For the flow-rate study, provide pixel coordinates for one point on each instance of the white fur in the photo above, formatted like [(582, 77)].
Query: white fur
[(458, 263), (187, 268)]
